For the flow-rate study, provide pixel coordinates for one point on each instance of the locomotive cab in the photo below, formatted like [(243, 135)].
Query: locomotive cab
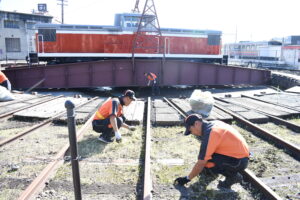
[(130, 21)]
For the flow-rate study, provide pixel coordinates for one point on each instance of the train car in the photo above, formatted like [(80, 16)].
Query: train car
[(265, 50), (61, 43), (257, 53)]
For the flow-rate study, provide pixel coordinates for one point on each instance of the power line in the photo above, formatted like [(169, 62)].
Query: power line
[(62, 4)]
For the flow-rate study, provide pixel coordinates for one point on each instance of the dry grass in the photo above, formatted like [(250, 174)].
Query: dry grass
[(282, 132), (31, 154), (105, 164), (169, 143), (7, 133), (269, 161), (296, 121)]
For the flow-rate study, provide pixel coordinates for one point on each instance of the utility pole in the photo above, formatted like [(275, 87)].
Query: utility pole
[(236, 32), (62, 4)]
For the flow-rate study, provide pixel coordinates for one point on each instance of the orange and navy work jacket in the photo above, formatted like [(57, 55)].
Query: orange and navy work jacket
[(151, 76), (220, 138), (2, 77), (108, 108)]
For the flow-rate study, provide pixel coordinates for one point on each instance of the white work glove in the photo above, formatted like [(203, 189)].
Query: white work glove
[(132, 128), (118, 137)]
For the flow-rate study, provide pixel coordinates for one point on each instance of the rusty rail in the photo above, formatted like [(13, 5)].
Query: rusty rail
[(173, 105), (39, 125), (3, 104), (277, 104), (39, 182), (273, 118), (293, 149), (267, 191), (23, 108)]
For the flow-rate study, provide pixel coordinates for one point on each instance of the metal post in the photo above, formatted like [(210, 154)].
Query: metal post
[(62, 11), (73, 147)]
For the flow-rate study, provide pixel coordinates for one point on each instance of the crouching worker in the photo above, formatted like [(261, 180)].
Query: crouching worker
[(109, 117), (4, 81), (223, 151)]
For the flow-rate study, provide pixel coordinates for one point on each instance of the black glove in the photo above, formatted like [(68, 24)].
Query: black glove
[(132, 128), (119, 140), (181, 180)]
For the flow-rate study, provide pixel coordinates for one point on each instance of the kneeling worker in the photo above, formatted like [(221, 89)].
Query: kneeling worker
[(109, 117), (223, 150), (4, 81)]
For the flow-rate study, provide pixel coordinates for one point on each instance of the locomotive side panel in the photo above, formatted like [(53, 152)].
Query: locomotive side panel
[(113, 43)]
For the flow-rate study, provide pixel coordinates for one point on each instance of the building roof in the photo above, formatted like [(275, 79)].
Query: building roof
[(25, 14)]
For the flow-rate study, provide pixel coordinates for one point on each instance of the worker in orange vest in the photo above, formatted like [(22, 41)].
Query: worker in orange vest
[(153, 81), (109, 117), (223, 151), (4, 81)]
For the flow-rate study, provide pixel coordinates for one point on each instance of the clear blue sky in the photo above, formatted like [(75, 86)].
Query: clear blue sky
[(250, 19)]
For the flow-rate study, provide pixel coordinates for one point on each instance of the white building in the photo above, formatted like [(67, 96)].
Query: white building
[(17, 34), (291, 51)]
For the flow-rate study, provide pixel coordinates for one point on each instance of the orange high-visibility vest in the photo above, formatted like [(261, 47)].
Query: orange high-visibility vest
[(108, 108), (151, 76), (2, 77)]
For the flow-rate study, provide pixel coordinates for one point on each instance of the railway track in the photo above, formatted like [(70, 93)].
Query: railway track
[(39, 124), (24, 158), (143, 166), (264, 183)]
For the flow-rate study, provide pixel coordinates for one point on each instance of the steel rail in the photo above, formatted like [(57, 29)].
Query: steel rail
[(273, 118), (267, 191), (147, 190), (174, 105), (43, 123), (293, 149), (3, 104), (277, 104), (39, 182), (23, 108)]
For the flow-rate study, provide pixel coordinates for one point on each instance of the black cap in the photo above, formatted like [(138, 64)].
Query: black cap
[(130, 94), (189, 121)]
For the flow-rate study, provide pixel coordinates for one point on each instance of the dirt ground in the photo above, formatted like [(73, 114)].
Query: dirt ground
[(22, 160), (268, 162), (107, 171), (173, 155), (282, 132)]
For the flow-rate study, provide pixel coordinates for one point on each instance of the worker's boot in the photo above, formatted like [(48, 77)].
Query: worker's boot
[(229, 181), (106, 137)]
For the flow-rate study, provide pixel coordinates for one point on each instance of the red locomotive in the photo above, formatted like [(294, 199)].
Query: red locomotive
[(61, 43)]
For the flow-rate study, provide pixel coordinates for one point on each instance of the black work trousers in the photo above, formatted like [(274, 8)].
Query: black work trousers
[(103, 126), (228, 166), (154, 87)]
